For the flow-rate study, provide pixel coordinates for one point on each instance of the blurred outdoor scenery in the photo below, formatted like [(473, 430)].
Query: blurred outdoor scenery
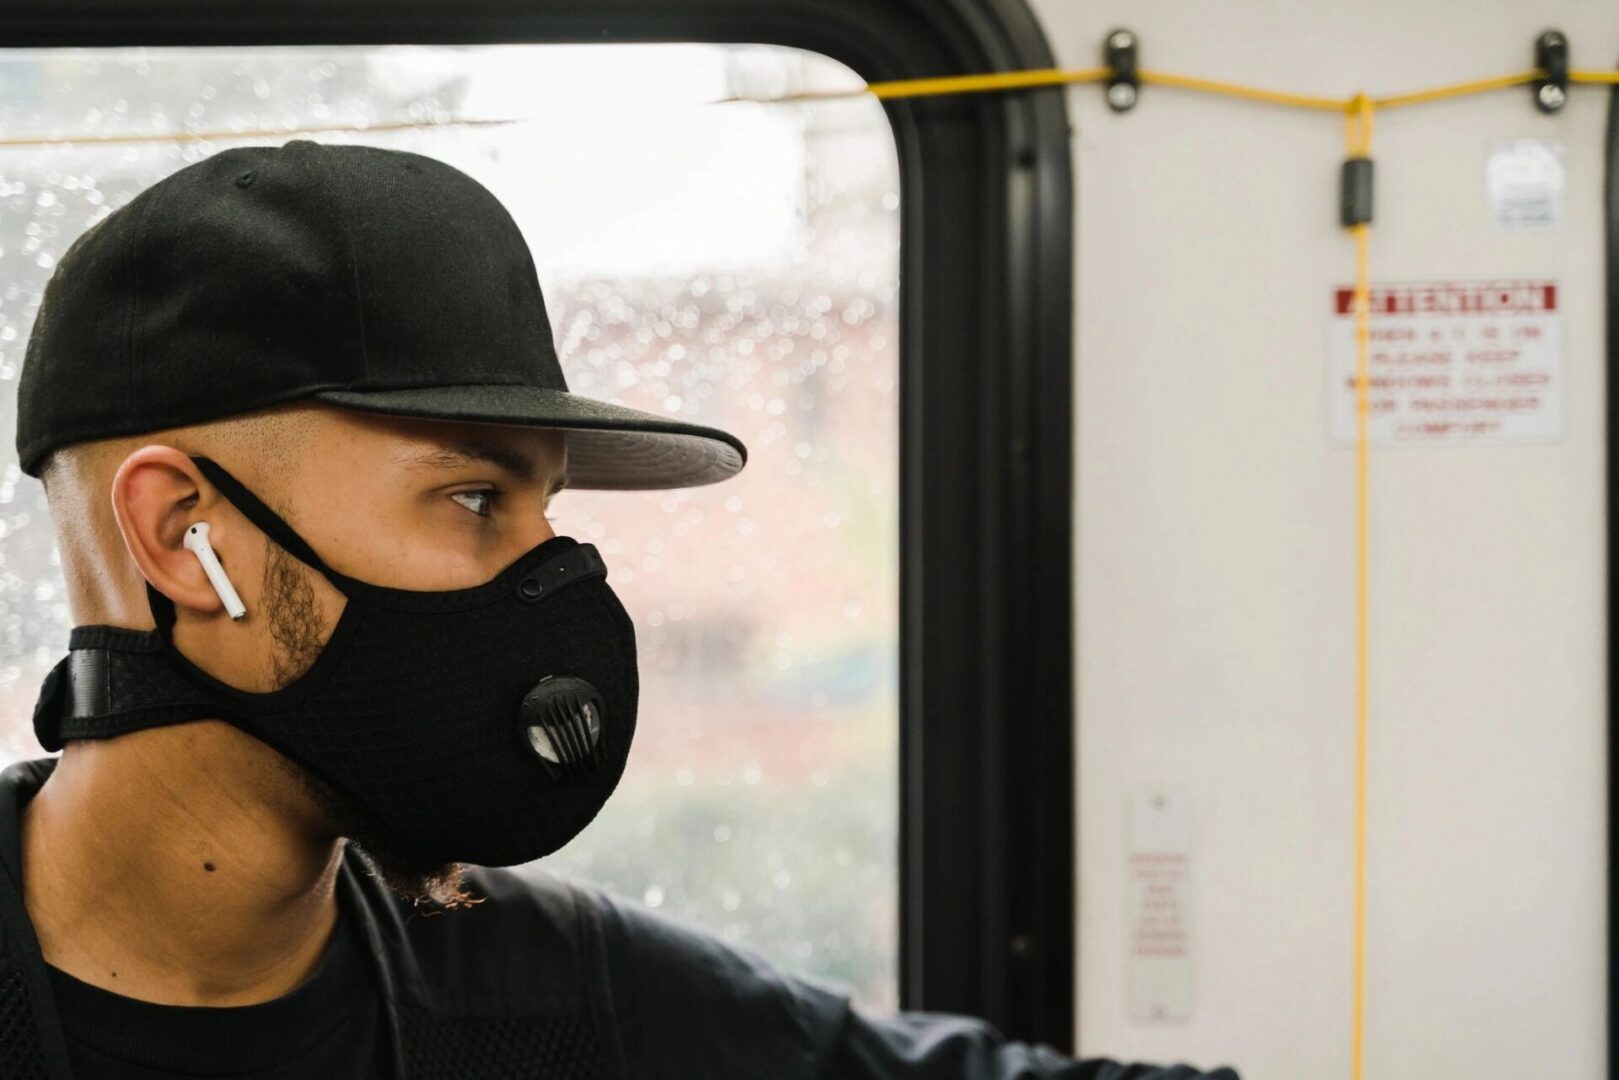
[(732, 264)]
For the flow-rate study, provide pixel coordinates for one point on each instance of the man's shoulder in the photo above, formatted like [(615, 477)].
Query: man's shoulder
[(677, 986), (525, 945), (677, 992)]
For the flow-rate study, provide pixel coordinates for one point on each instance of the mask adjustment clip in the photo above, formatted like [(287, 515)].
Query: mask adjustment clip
[(77, 687), (578, 563)]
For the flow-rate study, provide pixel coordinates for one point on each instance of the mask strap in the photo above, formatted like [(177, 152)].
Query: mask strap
[(268, 521), (252, 508), (162, 611)]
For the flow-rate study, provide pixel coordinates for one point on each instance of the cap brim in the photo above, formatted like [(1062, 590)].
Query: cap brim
[(609, 446)]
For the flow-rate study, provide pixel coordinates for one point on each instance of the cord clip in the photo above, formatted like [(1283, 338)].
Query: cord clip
[(1355, 202), (1551, 57), (1123, 81)]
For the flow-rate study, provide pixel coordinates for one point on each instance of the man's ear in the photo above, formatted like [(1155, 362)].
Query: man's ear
[(157, 493)]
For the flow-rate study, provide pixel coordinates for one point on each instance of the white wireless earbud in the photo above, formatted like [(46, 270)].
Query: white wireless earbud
[(197, 541)]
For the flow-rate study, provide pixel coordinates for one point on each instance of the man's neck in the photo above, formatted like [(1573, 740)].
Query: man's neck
[(170, 865)]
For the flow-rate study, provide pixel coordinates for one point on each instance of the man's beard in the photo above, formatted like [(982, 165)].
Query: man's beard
[(296, 632)]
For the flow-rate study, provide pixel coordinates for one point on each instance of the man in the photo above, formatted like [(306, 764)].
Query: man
[(299, 417)]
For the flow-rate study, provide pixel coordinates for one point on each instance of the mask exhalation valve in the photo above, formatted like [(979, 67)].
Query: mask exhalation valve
[(562, 722)]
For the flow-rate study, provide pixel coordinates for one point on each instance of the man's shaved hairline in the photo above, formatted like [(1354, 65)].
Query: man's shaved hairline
[(272, 435), (78, 477)]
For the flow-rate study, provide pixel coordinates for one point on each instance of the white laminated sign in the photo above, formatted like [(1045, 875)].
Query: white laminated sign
[(1158, 907), (1452, 362), (1525, 180)]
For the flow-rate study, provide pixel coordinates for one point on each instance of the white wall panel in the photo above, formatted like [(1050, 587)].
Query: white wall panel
[(1215, 555)]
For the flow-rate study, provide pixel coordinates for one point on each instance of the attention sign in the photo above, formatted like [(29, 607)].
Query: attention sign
[(1452, 362)]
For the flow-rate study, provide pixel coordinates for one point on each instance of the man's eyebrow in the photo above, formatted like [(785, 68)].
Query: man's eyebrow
[(471, 451)]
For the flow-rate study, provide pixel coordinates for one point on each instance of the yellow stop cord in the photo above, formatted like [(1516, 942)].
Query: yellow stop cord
[(1358, 144), (1358, 111), (1023, 80)]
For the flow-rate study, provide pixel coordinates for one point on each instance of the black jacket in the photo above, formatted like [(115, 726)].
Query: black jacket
[(555, 979)]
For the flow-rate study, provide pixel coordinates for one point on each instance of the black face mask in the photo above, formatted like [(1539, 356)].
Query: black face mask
[(485, 725)]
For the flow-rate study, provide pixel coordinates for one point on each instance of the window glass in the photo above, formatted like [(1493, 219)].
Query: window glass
[(732, 264)]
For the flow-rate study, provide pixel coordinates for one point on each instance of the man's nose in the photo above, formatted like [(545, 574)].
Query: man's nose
[(535, 528), (541, 533)]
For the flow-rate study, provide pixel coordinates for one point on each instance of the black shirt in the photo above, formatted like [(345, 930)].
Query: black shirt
[(545, 975), (330, 1026), (668, 980)]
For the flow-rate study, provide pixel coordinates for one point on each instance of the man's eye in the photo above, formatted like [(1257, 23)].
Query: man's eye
[(479, 502)]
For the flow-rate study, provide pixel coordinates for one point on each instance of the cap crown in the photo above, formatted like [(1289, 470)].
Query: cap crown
[(265, 274)]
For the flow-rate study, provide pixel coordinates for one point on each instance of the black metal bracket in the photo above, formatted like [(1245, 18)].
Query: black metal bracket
[(1551, 57), (1124, 81)]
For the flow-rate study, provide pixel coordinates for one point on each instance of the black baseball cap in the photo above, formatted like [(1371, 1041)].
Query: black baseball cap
[(373, 279)]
